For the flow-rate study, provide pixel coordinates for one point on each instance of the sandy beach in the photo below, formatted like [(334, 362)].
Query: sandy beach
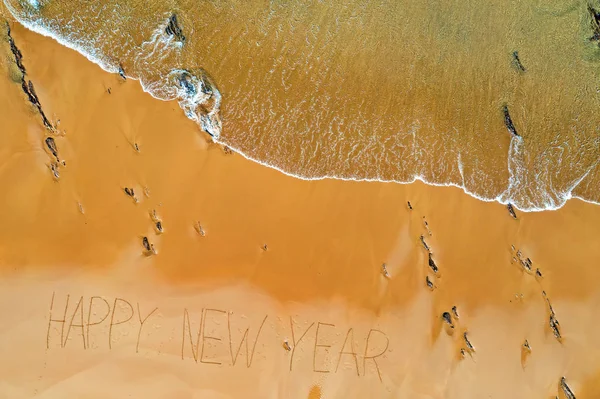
[(262, 285)]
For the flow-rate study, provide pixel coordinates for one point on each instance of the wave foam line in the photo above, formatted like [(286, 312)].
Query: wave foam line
[(42, 30)]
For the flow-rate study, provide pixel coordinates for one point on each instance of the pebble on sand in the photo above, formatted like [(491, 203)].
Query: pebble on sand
[(384, 270), (286, 345)]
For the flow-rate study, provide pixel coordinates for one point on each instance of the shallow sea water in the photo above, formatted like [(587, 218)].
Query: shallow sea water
[(369, 90)]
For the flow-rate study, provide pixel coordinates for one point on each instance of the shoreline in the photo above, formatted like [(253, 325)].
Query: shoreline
[(44, 32)]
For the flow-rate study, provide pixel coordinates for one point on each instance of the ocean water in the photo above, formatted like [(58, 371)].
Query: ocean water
[(392, 90)]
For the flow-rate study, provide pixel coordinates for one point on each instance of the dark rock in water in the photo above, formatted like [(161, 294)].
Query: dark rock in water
[(568, 393), (594, 24), (201, 97), (186, 81), (511, 210), (517, 61), (508, 121), (448, 319), (173, 29), (51, 144), (432, 264)]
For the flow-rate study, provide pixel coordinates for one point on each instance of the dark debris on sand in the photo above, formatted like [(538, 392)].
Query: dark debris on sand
[(173, 29)]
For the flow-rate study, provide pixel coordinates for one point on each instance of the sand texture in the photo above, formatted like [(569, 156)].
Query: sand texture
[(257, 284)]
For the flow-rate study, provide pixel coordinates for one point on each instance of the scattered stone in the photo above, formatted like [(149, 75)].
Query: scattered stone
[(538, 273), (129, 192), (159, 227), (109, 91), (227, 150), (568, 393), (409, 205), (199, 229), (526, 263), (51, 144), (462, 352), (264, 247), (429, 283), (137, 148), (511, 210), (517, 62), (508, 121), (424, 243), (286, 345), (555, 327), (148, 247), (146, 243), (448, 319), (427, 226), (384, 270), (432, 264), (173, 29), (468, 343), (54, 170), (548, 302), (455, 312), (526, 346), (80, 207)]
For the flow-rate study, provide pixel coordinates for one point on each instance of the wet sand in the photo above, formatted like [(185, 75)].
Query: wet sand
[(320, 276)]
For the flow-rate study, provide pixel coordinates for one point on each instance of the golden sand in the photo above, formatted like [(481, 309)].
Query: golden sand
[(324, 320)]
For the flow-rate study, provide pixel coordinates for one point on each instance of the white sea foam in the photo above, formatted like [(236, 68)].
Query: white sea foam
[(170, 87)]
